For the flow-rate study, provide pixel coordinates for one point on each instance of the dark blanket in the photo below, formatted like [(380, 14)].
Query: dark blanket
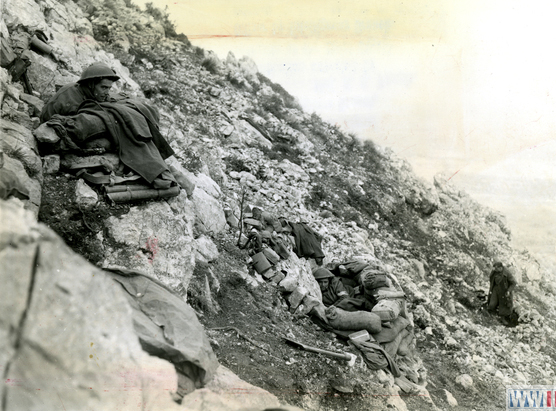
[(153, 120), (132, 133), (69, 99), (377, 357), (307, 241)]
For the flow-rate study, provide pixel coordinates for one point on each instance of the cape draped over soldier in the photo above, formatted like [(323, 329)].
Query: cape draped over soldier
[(307, 241)]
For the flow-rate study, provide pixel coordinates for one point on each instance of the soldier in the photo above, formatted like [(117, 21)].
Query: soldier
[(500, 294), (95, 84), (378, 293), (335, 293), (133, 126)]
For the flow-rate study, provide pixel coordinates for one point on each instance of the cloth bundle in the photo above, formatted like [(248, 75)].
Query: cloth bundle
[(355, 320)]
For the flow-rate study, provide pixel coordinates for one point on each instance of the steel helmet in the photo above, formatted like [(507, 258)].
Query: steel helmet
[(321, 273), (98, 71)]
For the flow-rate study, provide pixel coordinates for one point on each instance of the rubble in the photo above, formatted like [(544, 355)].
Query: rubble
[(85, 196), (236, 132), (465, 381)]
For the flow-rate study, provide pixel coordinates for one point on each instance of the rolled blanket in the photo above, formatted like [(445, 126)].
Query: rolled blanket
[(355, 320), (130, 130)]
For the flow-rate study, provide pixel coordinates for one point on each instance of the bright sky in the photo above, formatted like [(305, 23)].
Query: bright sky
[(454, 86), (464, 82)]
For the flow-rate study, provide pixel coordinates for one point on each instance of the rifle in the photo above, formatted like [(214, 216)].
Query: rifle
[(243, 195)]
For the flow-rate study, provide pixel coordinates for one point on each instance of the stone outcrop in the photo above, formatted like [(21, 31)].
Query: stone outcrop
[(20, 156), (227, 392), (156, 238), (60, 316), (208, 211), (58, 349)]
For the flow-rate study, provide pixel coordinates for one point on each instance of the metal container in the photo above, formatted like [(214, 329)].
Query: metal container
[(40, 46), (260, 263)]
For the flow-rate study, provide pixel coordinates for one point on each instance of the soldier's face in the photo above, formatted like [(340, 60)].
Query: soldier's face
[(323, 284), (101, 90)]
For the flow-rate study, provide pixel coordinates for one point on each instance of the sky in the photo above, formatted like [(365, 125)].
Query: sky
[(466, 88)]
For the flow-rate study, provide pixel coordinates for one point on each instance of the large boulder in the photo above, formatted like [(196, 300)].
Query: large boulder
[(14, 144), (20, 157), (208, 211), (18, 132), (68, 15), (26, 13), (14, 296), (421, 198), (206, 250), (292, 171), (156, 238), (206, 183), (33, 185), (245, 134), (18, 225), (249, 69), (228, 392), (66, 331)]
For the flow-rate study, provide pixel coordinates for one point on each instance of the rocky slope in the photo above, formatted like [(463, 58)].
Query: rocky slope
[(234, 132)]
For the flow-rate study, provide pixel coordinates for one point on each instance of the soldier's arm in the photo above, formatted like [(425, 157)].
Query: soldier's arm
[(339, 289)]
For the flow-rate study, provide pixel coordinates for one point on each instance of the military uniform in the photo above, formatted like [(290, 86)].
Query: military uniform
[(502, 283), (337, 293)]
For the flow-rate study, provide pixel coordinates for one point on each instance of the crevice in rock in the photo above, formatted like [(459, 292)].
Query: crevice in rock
[(47, 357), (21, 326)]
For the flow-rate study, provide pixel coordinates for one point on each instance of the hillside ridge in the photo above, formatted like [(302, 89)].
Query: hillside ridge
[(240, 139)]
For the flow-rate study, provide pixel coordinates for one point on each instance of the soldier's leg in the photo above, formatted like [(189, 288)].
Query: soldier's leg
[(493, 302)]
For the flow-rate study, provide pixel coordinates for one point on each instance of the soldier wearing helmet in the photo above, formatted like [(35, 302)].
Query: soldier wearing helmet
[(500, 295), (95, 84), (335, 293)]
